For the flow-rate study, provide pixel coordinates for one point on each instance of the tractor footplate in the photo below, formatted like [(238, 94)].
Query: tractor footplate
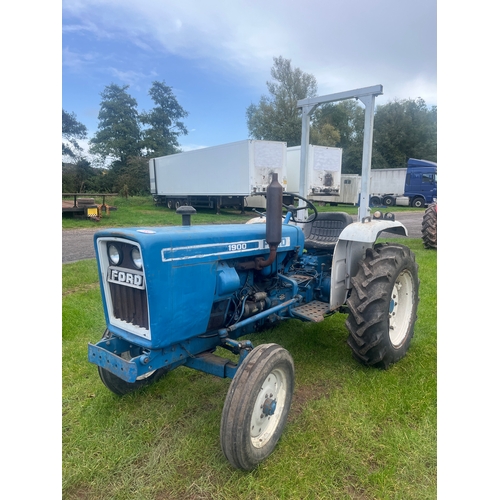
[(313, 311)]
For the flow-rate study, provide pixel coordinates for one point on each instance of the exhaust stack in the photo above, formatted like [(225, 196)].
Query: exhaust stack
[(273, 220)]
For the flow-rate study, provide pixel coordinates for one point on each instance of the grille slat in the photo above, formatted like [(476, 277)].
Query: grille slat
[(130, 305)]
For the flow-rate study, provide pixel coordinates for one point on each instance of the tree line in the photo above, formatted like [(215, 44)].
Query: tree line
[(127, 138)]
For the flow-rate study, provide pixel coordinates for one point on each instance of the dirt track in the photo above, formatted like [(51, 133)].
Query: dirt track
[(78, 244)]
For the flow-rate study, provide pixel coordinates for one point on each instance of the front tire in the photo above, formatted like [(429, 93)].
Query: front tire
[(121, 387), (257, 406), (383, 305), (418, 202)]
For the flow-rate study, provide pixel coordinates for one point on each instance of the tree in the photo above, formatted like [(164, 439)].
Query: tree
[(277, 118), (347, 120), (72, 130), (118, 133), (404, 129), (134, 179), (164, 120)]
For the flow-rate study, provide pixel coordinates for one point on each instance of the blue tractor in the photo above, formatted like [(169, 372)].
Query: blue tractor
[(173, 295)]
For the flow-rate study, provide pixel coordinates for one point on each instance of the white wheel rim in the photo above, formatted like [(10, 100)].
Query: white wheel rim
[(401, 308), (126, 355), (262, 427)]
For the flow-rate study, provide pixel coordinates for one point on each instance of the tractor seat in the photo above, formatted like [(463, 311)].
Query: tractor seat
[(324, 232)]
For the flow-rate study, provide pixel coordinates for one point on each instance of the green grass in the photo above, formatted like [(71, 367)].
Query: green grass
[(141, 211), (352, 433)]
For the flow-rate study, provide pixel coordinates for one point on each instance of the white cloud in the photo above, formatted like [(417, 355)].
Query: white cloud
[(344, 45)]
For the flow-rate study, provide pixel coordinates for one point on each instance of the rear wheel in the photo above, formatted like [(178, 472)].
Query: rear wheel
[(121, 387), (429, 227), (257, 406), (383, 305), (389, 201)]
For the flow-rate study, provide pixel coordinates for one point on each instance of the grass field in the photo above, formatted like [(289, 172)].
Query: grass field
[(353, 432), (141, 211)]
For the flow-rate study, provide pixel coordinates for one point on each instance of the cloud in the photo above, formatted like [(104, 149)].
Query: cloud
[(344, 44)]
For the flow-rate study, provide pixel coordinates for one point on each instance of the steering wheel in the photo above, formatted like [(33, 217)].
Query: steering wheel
[(294, 210)]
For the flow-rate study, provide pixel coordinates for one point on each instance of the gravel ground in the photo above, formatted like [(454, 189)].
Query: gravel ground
[(78, 244)]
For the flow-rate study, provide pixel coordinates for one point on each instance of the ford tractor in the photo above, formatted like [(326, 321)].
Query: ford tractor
[(186, 295)]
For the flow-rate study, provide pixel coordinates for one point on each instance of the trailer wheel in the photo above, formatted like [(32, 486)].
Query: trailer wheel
[(119, 386), (389, 201), (257, 406), (375, 201), (429, 227), (170, 204), (383, 305)]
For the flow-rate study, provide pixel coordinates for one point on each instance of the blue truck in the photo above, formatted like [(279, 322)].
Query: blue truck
[(414, 186)]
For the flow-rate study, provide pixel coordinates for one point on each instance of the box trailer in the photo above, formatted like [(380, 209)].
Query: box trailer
[(229, 175), (323, 175)]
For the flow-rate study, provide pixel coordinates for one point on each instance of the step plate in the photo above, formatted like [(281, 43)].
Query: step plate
[(313, 311)]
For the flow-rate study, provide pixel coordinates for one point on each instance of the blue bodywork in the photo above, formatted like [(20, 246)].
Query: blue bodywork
[(198, 289)]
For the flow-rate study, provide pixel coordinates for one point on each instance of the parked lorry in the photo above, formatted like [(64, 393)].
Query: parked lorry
[(414, 186), (173, 295), (324, 172), (219, 176)]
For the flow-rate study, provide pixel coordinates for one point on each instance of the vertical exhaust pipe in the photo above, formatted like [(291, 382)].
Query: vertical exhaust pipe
[(274, 224), (274, 221)]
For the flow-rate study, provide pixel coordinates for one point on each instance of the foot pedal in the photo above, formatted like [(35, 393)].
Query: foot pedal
[(313, 311)]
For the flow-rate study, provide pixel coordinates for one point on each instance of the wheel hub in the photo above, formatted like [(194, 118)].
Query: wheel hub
[(268, 408)]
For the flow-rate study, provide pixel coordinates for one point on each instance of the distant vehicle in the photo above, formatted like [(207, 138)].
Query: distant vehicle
[(324, 172), (228, 175), (414, 186)]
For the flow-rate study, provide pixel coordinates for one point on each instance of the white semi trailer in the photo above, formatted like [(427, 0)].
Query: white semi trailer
[(229, 175), (324, 172)]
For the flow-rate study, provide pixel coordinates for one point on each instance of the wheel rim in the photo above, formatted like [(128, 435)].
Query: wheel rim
[(401, 308), (268, 408), (126, 355)]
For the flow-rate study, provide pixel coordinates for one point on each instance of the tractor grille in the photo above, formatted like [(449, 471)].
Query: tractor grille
[(124, 283), (130, 305)]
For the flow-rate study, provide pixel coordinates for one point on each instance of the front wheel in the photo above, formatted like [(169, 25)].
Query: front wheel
[(383, 305), (418, 203), (257, 406), (121, 387)]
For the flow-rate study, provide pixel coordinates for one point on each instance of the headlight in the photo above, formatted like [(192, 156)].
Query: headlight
[(136, 258), (114, 255)]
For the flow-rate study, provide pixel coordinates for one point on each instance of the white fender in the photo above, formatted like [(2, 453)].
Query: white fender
[(350, 249)]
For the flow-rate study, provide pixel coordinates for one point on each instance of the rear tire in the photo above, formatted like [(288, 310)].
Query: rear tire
[(389, 201), (257, 406), (429, 227), (383, 305)]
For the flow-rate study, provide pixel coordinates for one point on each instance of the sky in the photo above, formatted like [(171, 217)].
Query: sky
[(217, 55)]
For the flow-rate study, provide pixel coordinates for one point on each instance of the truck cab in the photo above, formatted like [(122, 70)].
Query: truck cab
[(421, 182)]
